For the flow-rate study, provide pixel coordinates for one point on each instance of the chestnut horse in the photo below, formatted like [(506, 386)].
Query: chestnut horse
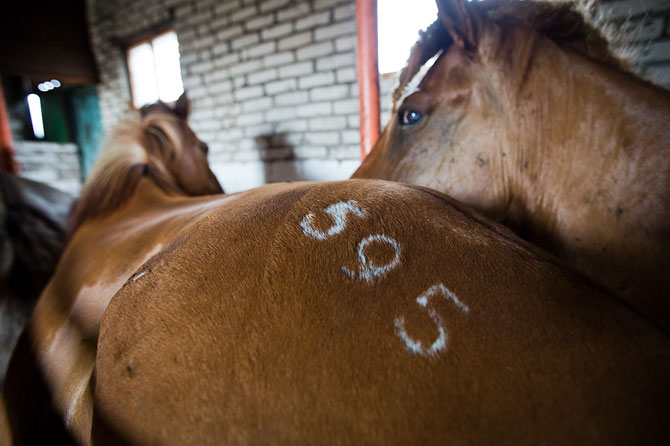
[(352, 312), (365, 312), (135, 198), (527, 117)]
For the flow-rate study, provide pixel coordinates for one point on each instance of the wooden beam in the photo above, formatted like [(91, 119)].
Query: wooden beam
[(368, 73)]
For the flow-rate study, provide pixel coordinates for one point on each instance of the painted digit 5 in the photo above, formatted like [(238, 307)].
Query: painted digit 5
[(440, 343), (339, 213)]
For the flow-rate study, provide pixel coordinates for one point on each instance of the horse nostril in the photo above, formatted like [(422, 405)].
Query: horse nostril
[(205, 148)]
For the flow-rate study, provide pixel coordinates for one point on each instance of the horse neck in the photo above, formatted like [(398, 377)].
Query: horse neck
[(591, 120)]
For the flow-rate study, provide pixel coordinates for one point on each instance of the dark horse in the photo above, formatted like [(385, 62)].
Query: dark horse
[(32, 237)]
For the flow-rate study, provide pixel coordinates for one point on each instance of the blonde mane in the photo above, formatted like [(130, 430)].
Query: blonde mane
[(136, 148), (559, 21)]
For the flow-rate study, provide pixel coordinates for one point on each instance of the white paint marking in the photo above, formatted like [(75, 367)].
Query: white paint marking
[(368, 271), (137, 276), (441, 342), (339, 213)]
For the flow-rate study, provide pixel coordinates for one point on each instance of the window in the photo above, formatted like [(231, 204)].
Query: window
[(154, 70), (395, 41)]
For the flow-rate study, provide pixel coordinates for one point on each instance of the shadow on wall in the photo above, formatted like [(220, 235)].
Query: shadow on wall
[(280, 163)]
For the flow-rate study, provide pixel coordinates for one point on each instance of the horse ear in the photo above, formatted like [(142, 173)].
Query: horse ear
[(460, 21), (182, 107)]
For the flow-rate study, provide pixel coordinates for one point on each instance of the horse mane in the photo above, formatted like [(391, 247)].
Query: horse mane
[(141, 147), (559, 21)]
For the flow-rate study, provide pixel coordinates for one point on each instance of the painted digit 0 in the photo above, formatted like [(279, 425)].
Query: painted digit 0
[(369, 271), (441, 342)]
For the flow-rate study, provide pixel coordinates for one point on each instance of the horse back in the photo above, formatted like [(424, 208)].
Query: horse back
[(369, 312)]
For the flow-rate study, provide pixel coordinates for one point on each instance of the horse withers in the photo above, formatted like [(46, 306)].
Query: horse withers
[(128, 206), (528, 117)]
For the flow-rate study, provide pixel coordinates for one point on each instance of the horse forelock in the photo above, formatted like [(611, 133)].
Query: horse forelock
[(136, 148), (559, 21)]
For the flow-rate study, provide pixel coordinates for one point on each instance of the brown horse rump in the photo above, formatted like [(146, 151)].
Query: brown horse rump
[(369, 312)]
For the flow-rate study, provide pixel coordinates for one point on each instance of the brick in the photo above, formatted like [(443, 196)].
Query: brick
[(203, 42), (243, 13), (344, 75), (312, 20), (220, 87), (315, 109), (257, 105), (278, 59), (346, 43), (299, 125), (312, 51), (291, 13), (230, 134), (296, 69), (270, 5), (257, 132), (260, 22), (280, 114), (246, 155), (259, 50), (261, 77), (349, 152), (227, 60), (277, 31), (328, 123), (310, 151), (246, 40), (226, 6), (218, 49), (280, 86), (344, 12), (201, 67), (331, 31), (351, 137), (292, 98), (321, 4), (240, 81), (323, 138), (295, 40), (232, 31), (336, 61), (329, 93), (246, 67), (346, 106), (314, 80), (242, 94)]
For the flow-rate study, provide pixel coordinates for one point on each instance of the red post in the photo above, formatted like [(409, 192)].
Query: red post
[(368, 73), (7, 161)]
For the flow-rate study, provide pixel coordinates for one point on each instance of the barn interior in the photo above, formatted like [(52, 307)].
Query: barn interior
[(279, 91), (273, 85)]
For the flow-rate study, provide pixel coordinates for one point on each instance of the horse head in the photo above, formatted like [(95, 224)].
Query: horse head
[(158, 145), (174, 149), (528, 117), (467, 129)]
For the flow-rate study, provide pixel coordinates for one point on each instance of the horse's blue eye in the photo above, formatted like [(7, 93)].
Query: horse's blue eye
[(409, 117)]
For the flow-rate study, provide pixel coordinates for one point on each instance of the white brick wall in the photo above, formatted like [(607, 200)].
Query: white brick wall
[(265, 79), (56, 164), (273, 82)]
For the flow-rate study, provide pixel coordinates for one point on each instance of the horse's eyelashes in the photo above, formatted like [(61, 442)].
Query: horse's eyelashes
[(409, 117)]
